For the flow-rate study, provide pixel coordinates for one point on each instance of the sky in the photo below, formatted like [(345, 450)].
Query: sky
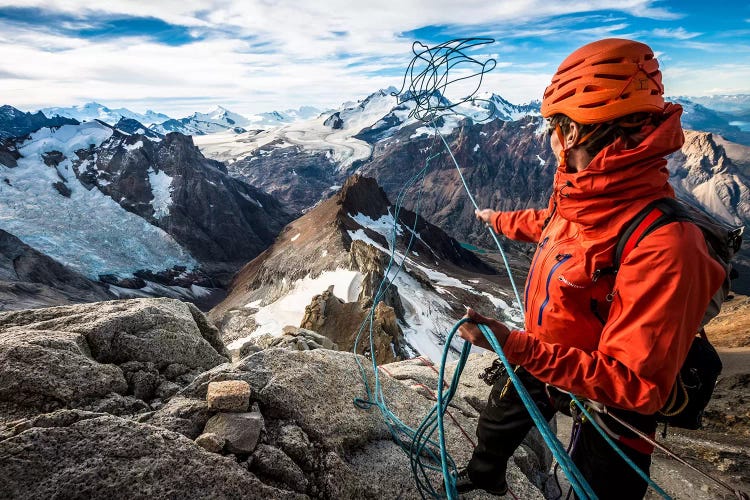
[(250, 56)]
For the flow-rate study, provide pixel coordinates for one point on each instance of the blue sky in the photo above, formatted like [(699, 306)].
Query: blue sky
[(179, 56)]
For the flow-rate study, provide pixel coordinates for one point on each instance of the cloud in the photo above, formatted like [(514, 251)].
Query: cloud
[(260, 55), (701, 80), (674, 33)]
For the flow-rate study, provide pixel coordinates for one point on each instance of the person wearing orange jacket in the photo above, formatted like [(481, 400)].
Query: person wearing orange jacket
[(619, 340)]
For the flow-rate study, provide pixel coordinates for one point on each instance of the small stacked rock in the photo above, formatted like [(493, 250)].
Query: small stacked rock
[(234, 428)]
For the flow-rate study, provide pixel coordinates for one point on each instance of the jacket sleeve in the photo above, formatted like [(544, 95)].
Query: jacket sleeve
[(522, 225), (661, 292)]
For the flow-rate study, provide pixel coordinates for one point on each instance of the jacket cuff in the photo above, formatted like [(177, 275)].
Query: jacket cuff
[(517, 347), (495, 221)]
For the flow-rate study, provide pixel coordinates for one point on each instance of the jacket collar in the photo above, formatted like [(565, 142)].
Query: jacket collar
[(620, 181)]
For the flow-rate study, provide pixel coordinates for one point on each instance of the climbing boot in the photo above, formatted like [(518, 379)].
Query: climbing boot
[(464, 484)]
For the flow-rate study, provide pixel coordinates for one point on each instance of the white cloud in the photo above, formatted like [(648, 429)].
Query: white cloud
[(720, 79), (318, 53), (675, 33)]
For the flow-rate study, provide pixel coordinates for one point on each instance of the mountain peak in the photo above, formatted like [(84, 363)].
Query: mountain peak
[(363, 195)]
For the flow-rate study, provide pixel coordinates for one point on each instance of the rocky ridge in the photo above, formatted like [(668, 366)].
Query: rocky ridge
[(81, 414), (204, 218), (105, 400), (237, 221), (16, 123), (344, 242)]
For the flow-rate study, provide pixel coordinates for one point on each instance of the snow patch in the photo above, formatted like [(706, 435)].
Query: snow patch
[(132, 147), (294, 238), (290, 309), (383, 226), (251, 200), (161, 189)]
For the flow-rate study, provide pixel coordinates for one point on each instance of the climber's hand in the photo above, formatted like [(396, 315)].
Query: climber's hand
[(485, 215), (471, 333)]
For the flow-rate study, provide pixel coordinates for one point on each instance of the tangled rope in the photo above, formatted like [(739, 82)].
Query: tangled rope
[(432, 70)]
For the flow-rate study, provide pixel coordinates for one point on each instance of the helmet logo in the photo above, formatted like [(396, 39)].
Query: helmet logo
[(643, 84)]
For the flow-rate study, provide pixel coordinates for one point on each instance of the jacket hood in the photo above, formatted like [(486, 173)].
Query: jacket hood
[(620, 181)]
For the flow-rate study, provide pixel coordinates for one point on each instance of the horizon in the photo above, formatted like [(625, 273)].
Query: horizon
[(179, 57), (214, 107)]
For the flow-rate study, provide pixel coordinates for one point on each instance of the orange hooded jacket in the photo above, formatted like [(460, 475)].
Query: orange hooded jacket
[(619, 342)]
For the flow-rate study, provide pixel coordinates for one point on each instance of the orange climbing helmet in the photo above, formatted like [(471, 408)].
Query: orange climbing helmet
[(605, 80)]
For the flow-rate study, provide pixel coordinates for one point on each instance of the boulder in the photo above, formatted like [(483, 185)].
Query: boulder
[(47, 369), (88, 455), (183, 415), (161, 331), (307, 399), (210, 442), (241, 431), (294, 442), (272, 463), (103, 356), (230, 395)]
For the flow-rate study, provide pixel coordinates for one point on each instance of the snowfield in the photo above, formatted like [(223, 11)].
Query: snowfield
[(87, 231), (290, 309)]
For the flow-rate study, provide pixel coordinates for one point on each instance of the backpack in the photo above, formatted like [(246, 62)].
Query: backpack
[(697, 377)]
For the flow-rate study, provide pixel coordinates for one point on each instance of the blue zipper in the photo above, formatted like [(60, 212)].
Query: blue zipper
[(531, 273), (560, 260)]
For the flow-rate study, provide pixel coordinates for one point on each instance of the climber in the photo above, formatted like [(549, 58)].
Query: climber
[(619, 342)]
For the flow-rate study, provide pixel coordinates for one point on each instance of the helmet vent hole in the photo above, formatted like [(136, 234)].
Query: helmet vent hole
[(566, 95), (593, 88), (593, 105), (648, 57), (568, 82), (655, 92), (616, 60), (611, 77)]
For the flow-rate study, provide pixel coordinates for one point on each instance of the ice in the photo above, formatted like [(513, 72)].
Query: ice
[(87, 231)]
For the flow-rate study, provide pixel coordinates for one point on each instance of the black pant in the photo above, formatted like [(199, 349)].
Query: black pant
[(504, 423)]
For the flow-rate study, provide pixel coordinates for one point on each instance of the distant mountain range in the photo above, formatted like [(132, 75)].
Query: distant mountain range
[(95, 111), (218, 119), (160, 203), (110, 204)]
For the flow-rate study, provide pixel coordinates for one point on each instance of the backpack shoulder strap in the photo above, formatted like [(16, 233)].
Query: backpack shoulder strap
[(654, 215)]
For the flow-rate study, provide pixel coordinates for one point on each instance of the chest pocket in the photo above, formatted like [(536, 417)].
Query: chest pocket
[(569, 297)]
